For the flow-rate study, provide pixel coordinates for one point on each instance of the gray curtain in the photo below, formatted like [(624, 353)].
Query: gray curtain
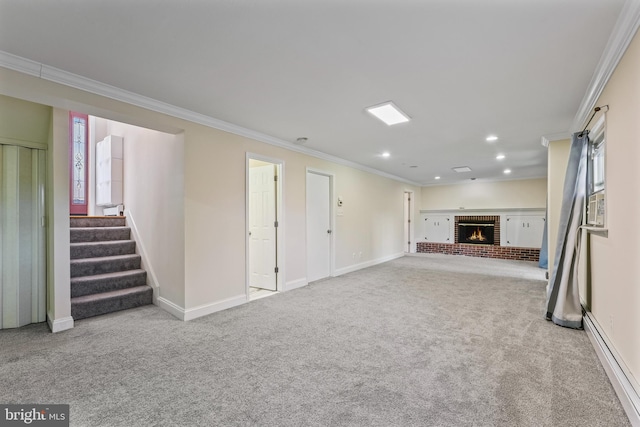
[(563, 300)]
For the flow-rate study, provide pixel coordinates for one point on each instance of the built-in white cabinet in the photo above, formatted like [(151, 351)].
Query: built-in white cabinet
[(524, 231), (437, 228), (109, 173)]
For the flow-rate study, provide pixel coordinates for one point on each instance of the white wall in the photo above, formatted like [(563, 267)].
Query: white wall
[(153, 189), (517, 194)]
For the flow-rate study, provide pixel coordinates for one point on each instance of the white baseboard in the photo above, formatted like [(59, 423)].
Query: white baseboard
[(59, 325), (295, 284), (201, 310), (360, 266), (623, 382), (170, 307)]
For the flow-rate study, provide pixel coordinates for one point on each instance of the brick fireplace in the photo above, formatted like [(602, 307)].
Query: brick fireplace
[(479, 249)]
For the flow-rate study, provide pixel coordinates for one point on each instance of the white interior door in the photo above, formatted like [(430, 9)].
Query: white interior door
[(22, 237), (318, 226), (262, 227)]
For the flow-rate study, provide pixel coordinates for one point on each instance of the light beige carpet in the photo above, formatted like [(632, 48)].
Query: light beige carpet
[(419, 341)]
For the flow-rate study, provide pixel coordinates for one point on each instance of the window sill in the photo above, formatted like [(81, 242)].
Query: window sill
[(601, 231)]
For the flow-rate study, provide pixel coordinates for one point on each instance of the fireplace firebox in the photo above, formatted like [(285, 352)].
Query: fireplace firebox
[(476, 232)]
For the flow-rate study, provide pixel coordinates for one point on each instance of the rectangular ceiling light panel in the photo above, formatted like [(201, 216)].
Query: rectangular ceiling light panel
[(462, 169), (389, 113)]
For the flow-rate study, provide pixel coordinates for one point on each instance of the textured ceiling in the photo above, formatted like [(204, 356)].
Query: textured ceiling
[(300, 68)]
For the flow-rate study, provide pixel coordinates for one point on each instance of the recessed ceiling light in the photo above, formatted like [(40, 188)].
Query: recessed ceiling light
[(437, 177), (492, 138), (462, 169), (389, 113), (500, 157), (507, 171), (386, 154)]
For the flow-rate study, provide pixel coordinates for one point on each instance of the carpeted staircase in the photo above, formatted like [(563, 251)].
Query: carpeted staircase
[(105, 270)]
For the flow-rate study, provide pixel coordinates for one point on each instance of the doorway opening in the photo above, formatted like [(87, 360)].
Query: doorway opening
[(264, 225)]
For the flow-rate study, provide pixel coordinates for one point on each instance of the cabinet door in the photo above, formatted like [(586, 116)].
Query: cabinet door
[(437, 229), (525, 231)]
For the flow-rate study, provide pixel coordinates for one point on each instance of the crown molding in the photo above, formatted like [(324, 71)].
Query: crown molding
[(546, 139), (56, 75), (623, 32), (17, 63)]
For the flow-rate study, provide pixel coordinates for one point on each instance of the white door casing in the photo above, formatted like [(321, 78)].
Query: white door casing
[(262, 227), (319, 231)]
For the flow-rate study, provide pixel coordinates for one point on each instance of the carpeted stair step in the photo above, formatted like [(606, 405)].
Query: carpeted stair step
[(100, 249), (108, 302), (97, 221), (98, 234), (102, 265), (100, 283)]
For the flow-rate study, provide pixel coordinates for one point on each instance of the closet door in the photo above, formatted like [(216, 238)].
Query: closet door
[(22, 236)]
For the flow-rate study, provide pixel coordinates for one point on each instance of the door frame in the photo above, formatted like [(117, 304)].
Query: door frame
[(280, 230), (332, 220), (412, 216)]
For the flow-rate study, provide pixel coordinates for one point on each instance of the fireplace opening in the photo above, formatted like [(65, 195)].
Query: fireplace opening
[(476, 232)]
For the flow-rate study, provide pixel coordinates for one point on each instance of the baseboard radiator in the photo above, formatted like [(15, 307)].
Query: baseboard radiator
[(623, 382)]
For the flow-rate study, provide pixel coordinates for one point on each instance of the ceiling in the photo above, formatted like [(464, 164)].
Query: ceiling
[(461, 69)]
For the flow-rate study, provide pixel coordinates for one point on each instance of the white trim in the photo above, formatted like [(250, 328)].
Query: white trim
[(201, 310), (20, 64), (56, 75), (59, 325), (546, 139), (280, 232), (621, 379), (171, 308), (20, 143), (366, 264), (295, 284), (413, 248), (152, 278), (622, 34), (205, 309)]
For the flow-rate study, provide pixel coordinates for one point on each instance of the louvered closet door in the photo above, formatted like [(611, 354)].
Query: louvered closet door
[(22, 236)]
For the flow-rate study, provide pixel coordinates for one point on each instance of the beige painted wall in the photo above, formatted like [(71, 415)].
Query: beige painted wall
[(520, 194), (371, 222), (153, 189), (615, 270), (28, 123), (557, 159), (13, 127), (214, 197), (58, 249)]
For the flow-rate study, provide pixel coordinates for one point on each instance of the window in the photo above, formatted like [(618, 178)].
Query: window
[(596, 205)]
